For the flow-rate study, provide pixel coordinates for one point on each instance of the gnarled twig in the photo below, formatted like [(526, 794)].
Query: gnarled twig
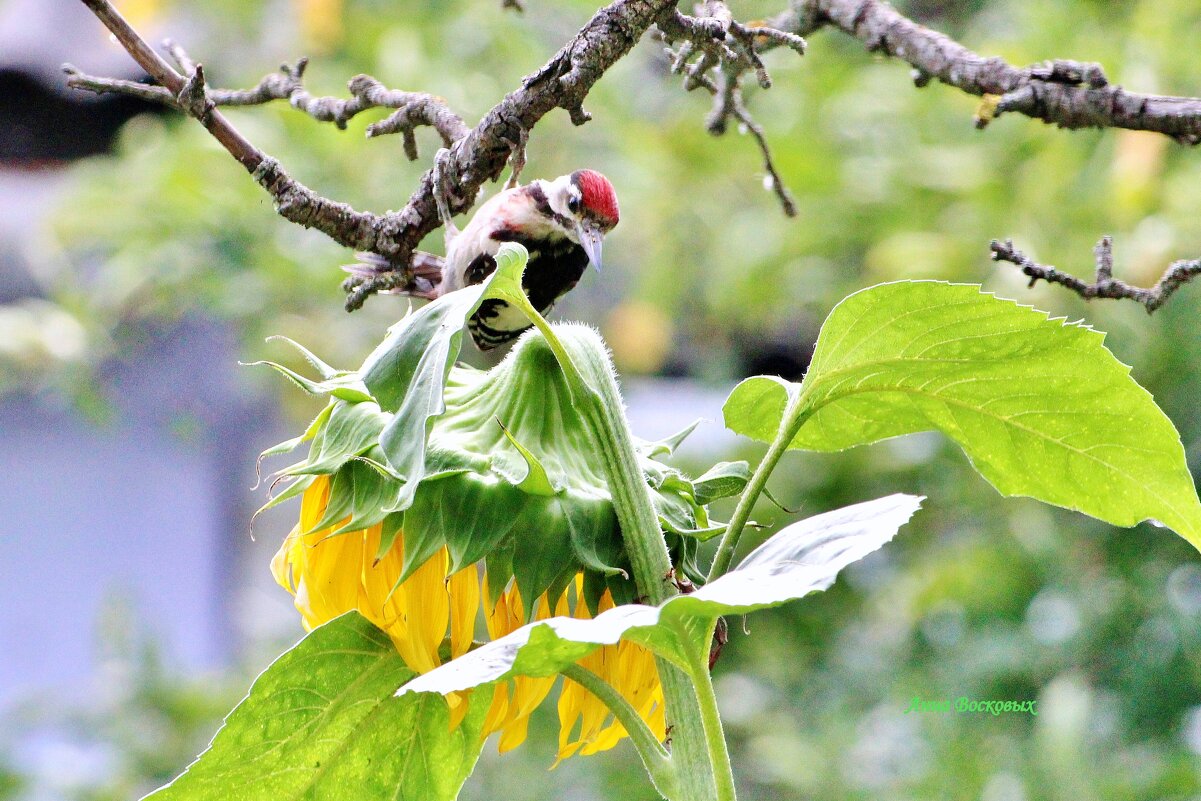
[(412, 109), (293, 200), (714, 51), (1104, 285), (727, 92)]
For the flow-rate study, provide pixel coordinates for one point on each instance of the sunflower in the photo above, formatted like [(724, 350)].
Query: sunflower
[(503, 524)]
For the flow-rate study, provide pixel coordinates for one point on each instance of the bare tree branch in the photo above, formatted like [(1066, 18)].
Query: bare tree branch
[(180, 57), (473, 157), (714, 52), (728, 102), (293, 200), (563, 82), (413, 109), (772, 179), (1104, 285), (77, 79), (517, 159), (1069, 94)]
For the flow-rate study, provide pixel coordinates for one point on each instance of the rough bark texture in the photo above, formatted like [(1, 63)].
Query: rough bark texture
[(1065, 93), (1104, 285), (563, 82)]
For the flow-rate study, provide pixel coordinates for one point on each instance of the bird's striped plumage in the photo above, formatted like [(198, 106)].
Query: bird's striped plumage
[(560, 223), (543, 216)]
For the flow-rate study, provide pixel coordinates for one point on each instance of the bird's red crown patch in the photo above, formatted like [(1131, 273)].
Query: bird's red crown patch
[(597, 194)]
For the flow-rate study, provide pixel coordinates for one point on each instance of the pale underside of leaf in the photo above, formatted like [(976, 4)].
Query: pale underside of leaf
[(802, 558)]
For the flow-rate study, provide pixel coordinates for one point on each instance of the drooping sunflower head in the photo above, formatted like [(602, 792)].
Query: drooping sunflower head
[(507, 521)]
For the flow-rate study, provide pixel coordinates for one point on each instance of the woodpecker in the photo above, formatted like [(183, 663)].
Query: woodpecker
[(561, 223)]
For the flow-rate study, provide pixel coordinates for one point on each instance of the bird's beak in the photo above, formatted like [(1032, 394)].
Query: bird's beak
[(590, 240)]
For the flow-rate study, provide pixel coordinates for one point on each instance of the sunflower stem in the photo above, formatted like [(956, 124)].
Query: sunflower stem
[(651, 565), (655, 757), (650, 562), (795, 416), (589, 373), (715, 738), (593, 385)]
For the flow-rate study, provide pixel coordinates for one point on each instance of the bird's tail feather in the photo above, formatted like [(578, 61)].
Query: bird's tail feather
[(426, 270)]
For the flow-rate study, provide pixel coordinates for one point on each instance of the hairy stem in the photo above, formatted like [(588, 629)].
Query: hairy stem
[(655, 757), (590, 376), (651, 564), (794, 417), (715, 738)]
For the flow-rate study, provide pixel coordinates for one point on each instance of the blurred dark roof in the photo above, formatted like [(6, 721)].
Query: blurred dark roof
[(41, 120), (39, 124)]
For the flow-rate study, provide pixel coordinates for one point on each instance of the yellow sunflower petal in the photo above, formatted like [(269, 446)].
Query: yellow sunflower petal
[(464, 587), (281, 563), (330, 575), (427, 612), (498, 712), (460, 705)]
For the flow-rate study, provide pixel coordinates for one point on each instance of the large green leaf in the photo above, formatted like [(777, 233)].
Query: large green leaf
[(801, 558), (323, 723), (1039, 405)]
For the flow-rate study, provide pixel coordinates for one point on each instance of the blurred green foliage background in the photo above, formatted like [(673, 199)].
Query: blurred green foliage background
[(706, 278)]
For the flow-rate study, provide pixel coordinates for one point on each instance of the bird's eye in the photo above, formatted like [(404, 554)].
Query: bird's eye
[(573, 205)]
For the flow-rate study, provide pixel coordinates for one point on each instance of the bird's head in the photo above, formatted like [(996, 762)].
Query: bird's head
[(585, 207)]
